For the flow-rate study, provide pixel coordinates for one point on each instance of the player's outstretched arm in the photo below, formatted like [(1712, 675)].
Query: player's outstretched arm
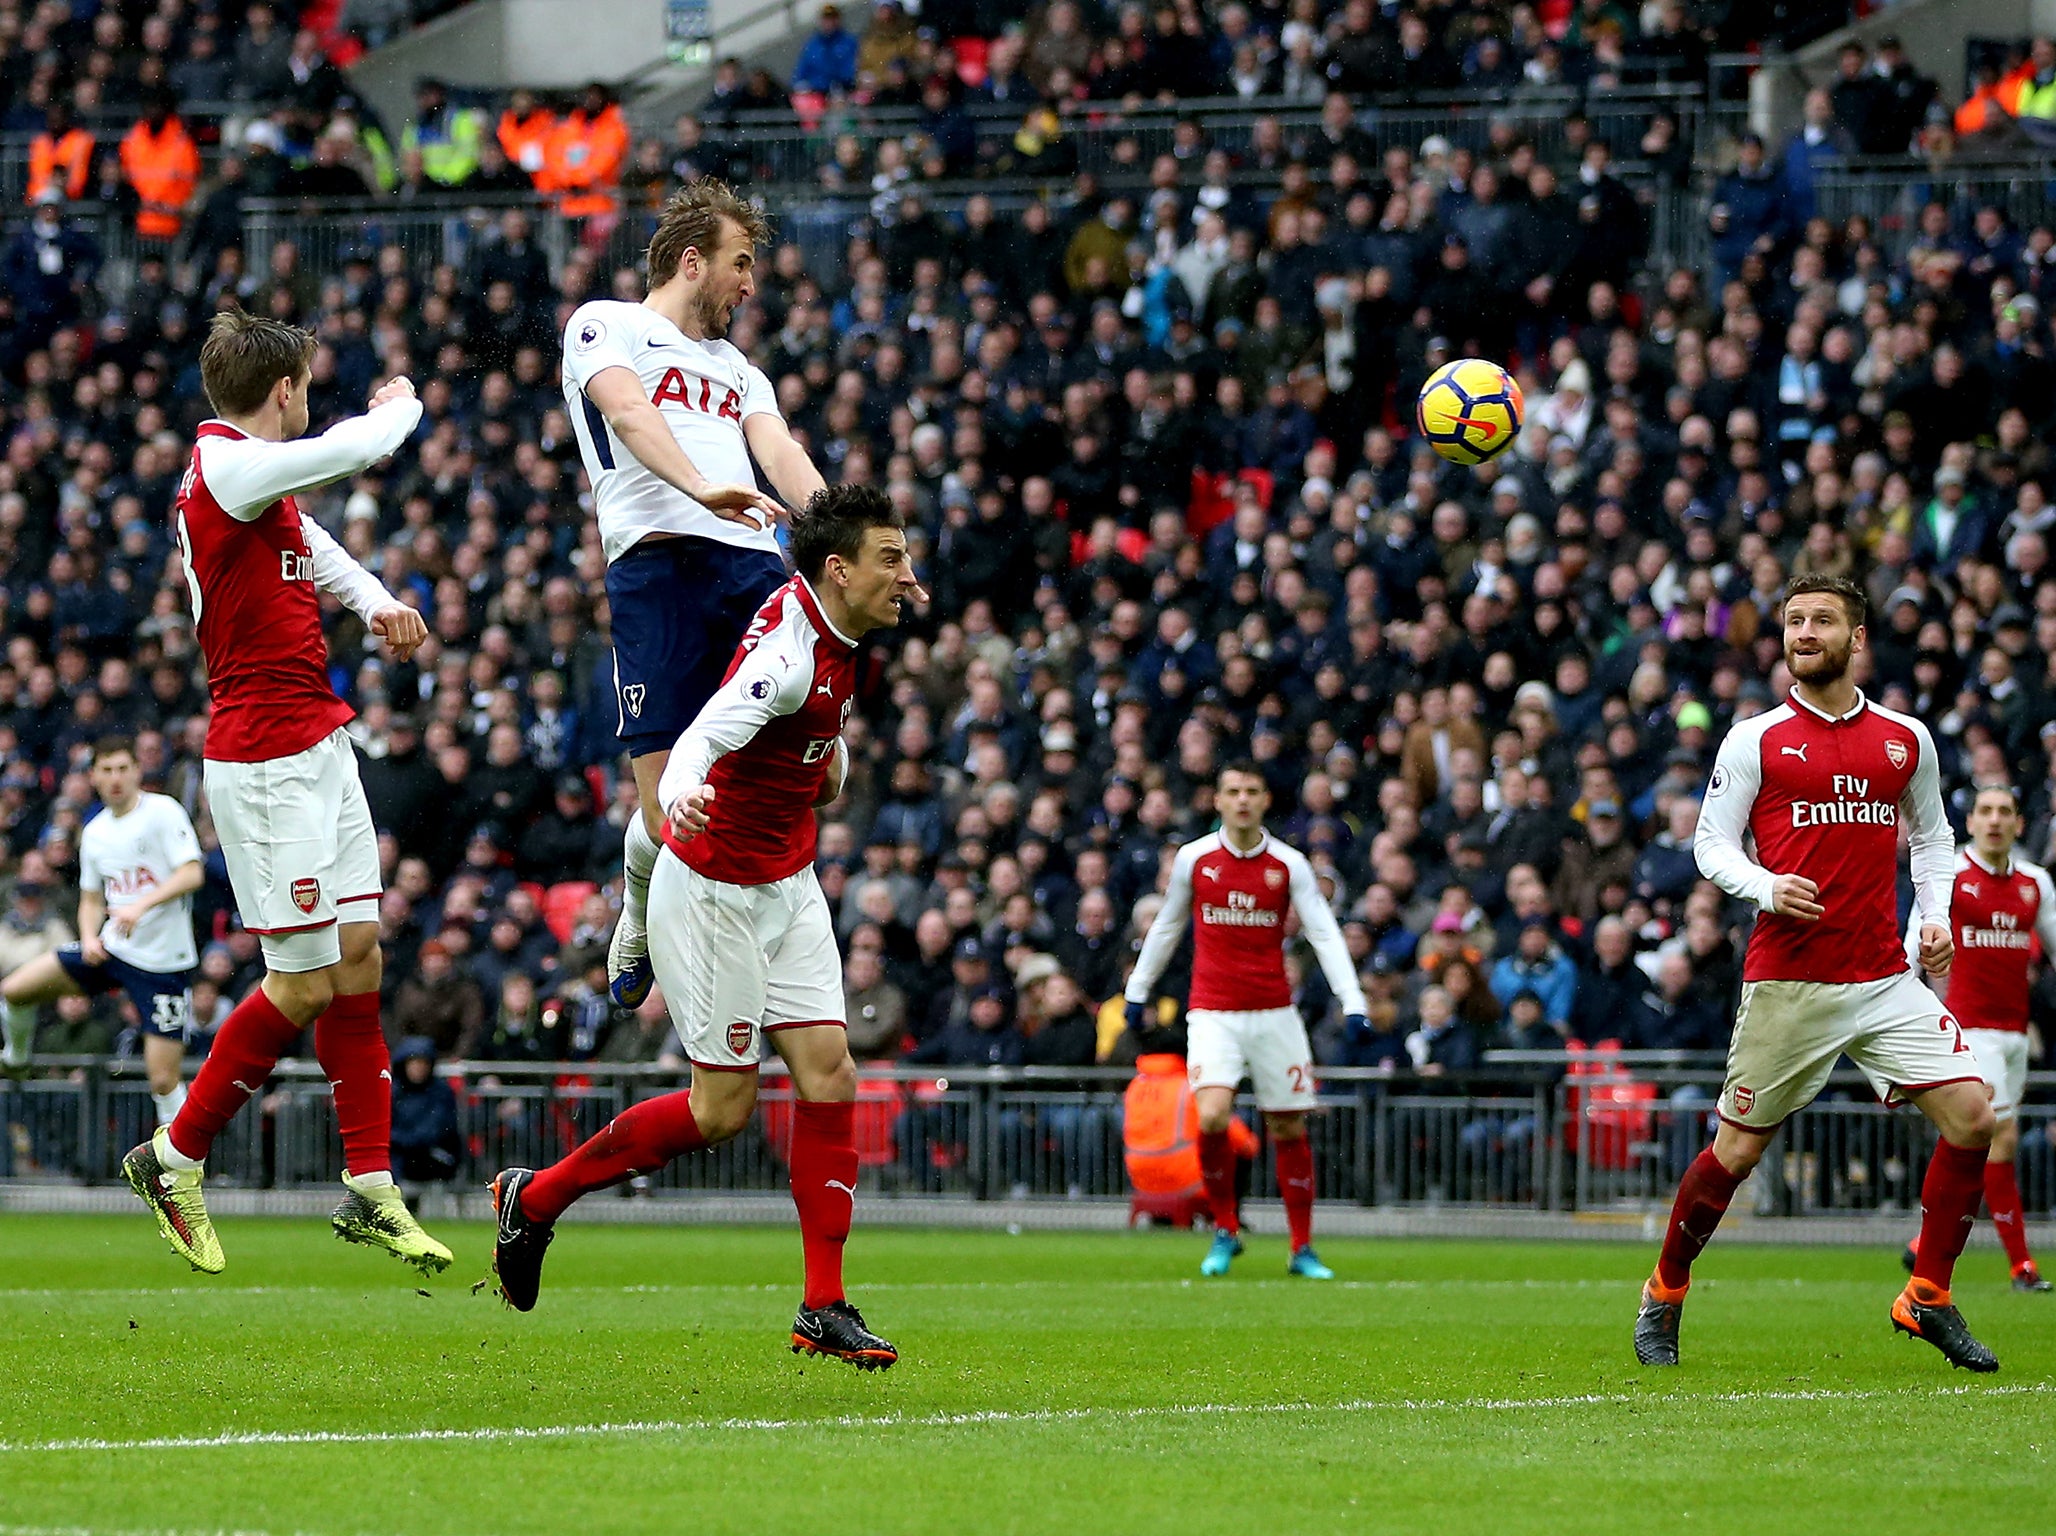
[(1317, 922), (785, 462), (628, 410), (766, 684), (1167, 930), (246, 475)]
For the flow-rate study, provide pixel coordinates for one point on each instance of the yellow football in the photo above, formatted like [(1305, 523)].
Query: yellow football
[(1470, 410)]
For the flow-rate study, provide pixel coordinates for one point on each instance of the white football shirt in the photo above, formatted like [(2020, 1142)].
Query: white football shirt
[(705, 389), (124, 857)]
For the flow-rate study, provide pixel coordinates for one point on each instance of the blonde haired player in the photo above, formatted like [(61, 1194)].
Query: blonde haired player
[(1999, 905), (1236, 885), (281, 777), (669, 415)]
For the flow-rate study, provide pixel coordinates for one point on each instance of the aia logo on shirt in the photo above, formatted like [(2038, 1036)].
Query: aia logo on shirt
[(306, 892), (675, 386)]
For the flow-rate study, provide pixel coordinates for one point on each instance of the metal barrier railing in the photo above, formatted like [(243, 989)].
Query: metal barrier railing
[(1614, 1134)]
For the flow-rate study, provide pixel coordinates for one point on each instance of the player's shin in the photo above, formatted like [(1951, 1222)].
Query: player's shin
[(2002, 1198), (1949, 1198), (246, 1048), (824, 1191), (1296, 1186), (351, 1048), (638, 857), (1217, 1174), (641, 1139), (1702, 1199)]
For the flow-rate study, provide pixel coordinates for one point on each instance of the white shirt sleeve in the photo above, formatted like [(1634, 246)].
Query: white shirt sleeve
[(181, 844), (594, 342), (2045, 919), (1317, 922), (247, 474), (1169, 927), (1931, 844), (334, 571), (759, 397), (92, 878), (1719, 846), (771, 681)]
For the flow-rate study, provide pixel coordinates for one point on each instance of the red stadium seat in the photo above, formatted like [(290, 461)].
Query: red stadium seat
[(972, 53), (560, 904)]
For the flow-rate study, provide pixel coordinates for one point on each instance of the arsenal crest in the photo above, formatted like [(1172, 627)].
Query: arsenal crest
[(305, 893), (1896, 751), (1274, 878), (741, 1037), (1745, 1100)]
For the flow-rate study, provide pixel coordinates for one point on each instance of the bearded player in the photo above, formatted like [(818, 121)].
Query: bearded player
[(1802, 819), (740, 933), (668, 415), (281, 777), (1999, 906), (1237, 885)]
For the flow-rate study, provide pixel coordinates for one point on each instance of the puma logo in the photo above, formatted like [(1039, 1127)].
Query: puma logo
[(252, 1092), (1798, 751), (838, 1184), (826, 690)]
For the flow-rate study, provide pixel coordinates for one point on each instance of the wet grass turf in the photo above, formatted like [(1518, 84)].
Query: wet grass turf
[(1086, 1382)]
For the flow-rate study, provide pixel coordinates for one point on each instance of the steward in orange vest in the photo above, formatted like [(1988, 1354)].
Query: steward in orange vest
[(61, 156), (585, 155), (1160, 1129), (160, 161), (524, 134)]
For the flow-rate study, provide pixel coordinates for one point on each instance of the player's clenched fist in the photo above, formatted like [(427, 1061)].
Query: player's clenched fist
[(399, 388), (1937, 949), (401, 628), (689, 813), (1796, 896)]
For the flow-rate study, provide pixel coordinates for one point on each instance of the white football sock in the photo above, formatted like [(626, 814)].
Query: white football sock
[(169, 1104), (638, 857), (18, 1020), (368, 1183), (173, 1160)]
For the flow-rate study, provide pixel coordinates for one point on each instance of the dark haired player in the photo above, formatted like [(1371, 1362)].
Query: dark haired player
[(740, 934), (1802, 819), (1237, 885), (2000, 904)]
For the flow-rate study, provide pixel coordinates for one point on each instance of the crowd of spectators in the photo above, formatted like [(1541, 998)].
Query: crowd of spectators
[(1154, 456)]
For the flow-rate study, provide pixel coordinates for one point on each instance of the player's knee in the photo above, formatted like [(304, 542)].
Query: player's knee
[(836, 1085), (1979, 1128), (300, 995), (1213, 1121), (1286, 1127), (722, 1118)]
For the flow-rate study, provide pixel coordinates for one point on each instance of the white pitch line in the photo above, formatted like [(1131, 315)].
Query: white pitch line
[(977, 1418)]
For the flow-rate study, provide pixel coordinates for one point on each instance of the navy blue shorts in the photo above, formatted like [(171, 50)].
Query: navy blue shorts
[(161, 999), (680, 607)]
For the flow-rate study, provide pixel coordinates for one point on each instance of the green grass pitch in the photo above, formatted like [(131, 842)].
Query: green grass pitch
[(1048, 1383)]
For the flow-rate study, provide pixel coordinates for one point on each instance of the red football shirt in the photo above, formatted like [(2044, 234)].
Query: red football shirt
[(1237, 903), (258, 621), (1995, 920), (1826, 798), (765, 741)]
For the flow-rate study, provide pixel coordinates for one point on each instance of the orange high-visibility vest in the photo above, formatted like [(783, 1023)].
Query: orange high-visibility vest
[(583, 160), (71, 155), (164, 168), (1160, 1129), (526, 142)]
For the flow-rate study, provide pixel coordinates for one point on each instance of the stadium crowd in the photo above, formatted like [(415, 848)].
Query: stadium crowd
[(1154, 454)]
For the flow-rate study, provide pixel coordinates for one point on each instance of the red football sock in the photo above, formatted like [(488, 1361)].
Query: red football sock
[(1703, 1196), (2002, 1195), (1217, 1172), (1296, 1185), (246, 1048), (352, 1051), (1948, 1205), (824, 1190), (641, 1139)]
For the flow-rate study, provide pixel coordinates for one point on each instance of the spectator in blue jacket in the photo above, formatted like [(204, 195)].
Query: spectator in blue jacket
[(427, 1144), (1539, 964), (1750, 214), (828, 62)]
